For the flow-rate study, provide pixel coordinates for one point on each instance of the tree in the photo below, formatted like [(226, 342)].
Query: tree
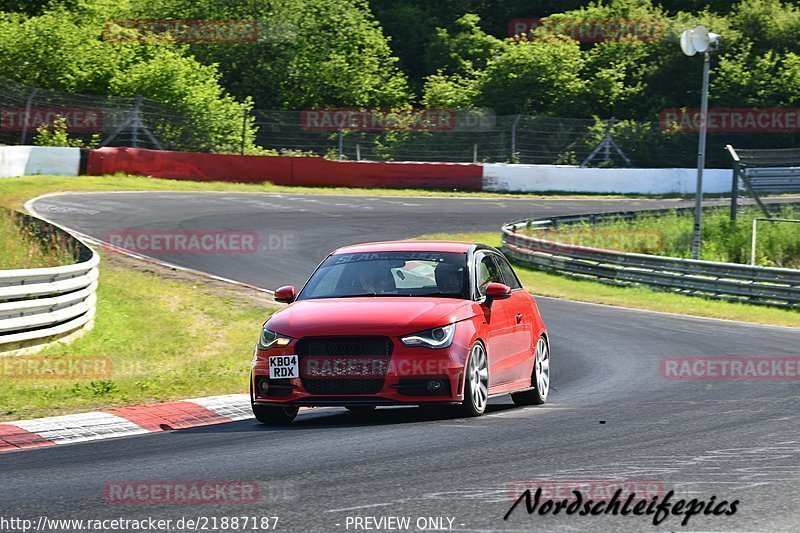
[(321, 53), (208, 119), (534, 77), (464, 50)]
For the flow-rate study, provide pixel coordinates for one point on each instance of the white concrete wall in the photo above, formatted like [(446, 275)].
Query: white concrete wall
[(532, 178), (33, 160)]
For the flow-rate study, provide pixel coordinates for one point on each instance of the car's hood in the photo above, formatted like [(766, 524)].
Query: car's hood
[(391, 316)]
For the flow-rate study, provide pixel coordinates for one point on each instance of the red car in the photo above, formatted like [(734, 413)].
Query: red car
[(402, 323)]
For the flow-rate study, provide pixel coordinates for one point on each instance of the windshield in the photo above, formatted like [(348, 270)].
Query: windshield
[(389, 274)]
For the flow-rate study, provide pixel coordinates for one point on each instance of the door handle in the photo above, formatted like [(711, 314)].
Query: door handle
[(519, 318)]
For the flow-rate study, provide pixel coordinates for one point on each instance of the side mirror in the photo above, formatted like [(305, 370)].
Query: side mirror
[(285, 294), (497, 290)]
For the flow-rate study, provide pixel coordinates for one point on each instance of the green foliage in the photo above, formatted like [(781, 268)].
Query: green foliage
[(378, 53), (23, 247), (463, 51), (212, 119), (308, 54), (56, 134), (534, 77)]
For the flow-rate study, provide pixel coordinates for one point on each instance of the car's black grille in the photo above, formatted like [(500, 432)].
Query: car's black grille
[(344, 346), (375, 347), (342, 386)]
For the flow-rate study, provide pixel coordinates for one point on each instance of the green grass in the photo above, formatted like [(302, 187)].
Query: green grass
[(165, 340), (561, 286), (778, 244), (21, 248), (16, 191)]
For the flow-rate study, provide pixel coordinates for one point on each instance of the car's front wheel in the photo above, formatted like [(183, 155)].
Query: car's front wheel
[(274, 415), (476, 382), (540, 379)]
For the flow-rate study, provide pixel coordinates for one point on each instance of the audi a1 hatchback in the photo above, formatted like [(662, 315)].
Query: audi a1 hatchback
[(402, 323)]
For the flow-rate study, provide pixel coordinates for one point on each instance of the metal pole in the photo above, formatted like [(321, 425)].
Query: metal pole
[(475, 153), (697, 237), (514, 138), (244, 128), (341, 145), (27, 116), (358, 152), (735, 189), (136, 122)]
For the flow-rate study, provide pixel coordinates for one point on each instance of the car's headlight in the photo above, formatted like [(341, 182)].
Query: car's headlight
[(440, 337), (269, 339)]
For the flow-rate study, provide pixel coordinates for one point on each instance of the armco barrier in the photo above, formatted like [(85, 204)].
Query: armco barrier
[(539, 178), (33, 160), (37, 304), (301, 171), (728, 281), (317, 171)]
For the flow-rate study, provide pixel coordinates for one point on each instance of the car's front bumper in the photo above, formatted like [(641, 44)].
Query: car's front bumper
[(410, 370)]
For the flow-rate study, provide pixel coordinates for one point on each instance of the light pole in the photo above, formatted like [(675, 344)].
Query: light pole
[(692, 41)]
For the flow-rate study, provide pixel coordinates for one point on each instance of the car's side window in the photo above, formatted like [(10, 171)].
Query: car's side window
[(487, 273), (508, 273)]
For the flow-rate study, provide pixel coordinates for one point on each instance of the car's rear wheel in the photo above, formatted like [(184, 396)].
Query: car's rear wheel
[(274, 415), (540, 379), (476, 382), (360, 408)]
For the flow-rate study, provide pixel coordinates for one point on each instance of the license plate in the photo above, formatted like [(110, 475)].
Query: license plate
[(283, 366), (344, 367)]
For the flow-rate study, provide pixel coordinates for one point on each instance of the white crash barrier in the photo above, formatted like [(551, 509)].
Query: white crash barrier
[(39, 303), (539, 178), (33, 160)]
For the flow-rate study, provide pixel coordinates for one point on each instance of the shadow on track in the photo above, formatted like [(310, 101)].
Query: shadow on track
[(336, 418)]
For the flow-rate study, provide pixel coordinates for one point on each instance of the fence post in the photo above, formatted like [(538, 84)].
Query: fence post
[(514, 137), (358, 152), (737, 169), (28, 104), (136, 121), (475, 153), (341, 145), (244, 128)]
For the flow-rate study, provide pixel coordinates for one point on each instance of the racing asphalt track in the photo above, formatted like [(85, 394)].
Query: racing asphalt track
[(733, 440)]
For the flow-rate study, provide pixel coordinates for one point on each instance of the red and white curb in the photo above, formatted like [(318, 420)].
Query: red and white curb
[(123, 421)]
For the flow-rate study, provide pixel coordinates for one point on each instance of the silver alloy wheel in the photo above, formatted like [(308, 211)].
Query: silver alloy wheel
[(542, 368), (478, 374)]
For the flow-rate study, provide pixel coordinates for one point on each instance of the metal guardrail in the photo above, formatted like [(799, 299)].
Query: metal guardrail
[(725, 281), (39, 303)]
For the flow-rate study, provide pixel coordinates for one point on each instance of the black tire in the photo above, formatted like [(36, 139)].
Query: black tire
[(274, 415), (540, 378), (476, 372), (360, 408)]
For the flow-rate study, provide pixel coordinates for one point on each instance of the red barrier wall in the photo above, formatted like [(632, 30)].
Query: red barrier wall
[(310, 171)]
